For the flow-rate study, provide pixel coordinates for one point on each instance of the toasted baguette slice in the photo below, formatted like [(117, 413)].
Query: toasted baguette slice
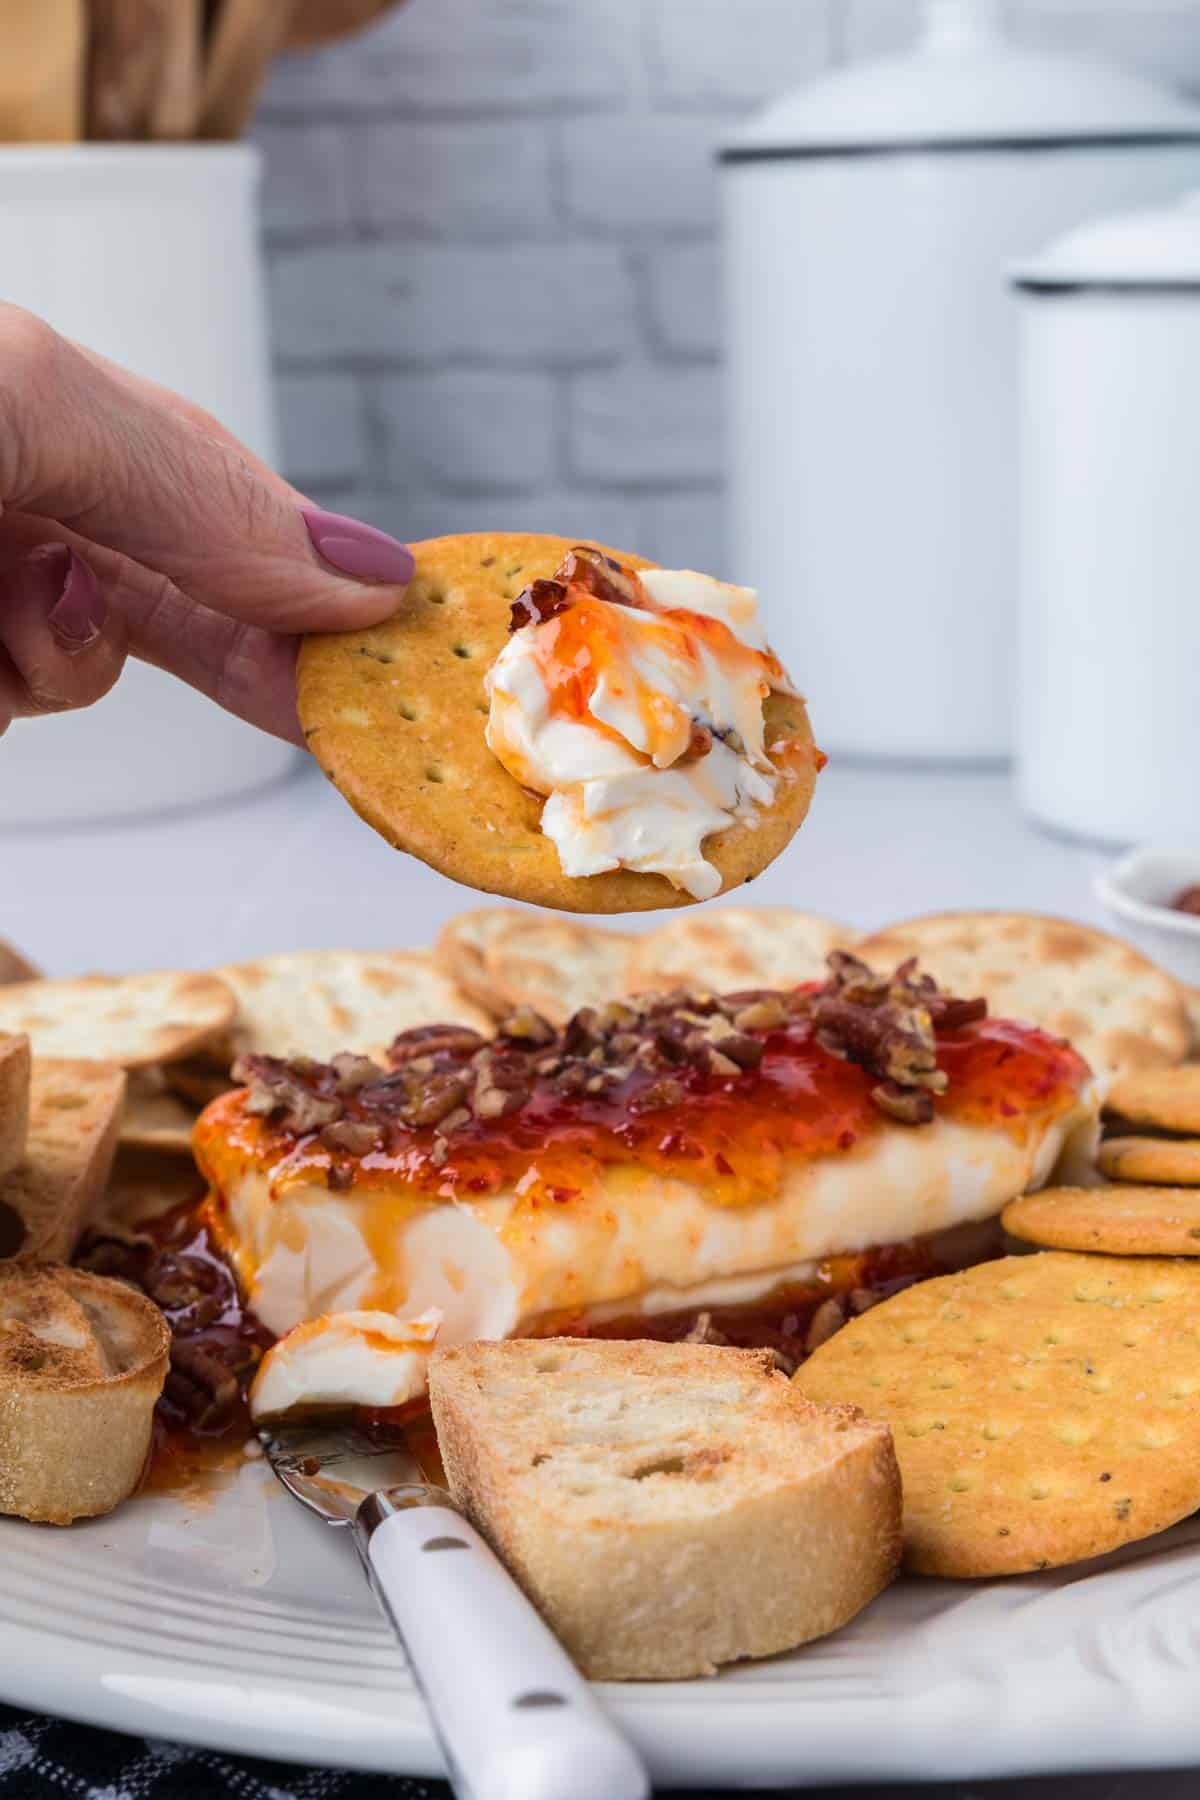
[(14, 1103), (668, 1507), (82, 1363), (74, 1118)]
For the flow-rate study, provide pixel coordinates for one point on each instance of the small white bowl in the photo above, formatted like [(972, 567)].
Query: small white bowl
[(1138, 892)]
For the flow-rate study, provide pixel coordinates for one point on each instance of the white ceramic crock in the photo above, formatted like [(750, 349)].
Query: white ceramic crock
[(149, 254), (870, 223), (1109, 679)]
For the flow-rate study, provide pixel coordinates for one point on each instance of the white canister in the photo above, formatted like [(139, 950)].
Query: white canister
[(871, 221), (1109, 668), (149, 254)]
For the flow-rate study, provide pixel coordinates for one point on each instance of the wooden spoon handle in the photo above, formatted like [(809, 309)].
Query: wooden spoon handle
[(177, 101), (127, 39), (41, 70), (247, 35)]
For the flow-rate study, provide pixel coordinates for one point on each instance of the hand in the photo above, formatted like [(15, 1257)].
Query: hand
[(133, 524)]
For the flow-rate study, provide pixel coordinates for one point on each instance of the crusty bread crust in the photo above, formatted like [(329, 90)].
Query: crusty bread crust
[(14, 1102), (74, 1118), (668, 1507), (82, 1362)]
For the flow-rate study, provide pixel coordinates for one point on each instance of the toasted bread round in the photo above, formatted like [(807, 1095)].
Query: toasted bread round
[(668, 1507), (1158, 1099), (1044, 1408), (82, 1363), (14, 1101), (735, 947), (144, 1184), (556, 966), (1173, 1161), (395, 716), (1116, 1221), (1120, 1010), (461, 953), (318, 1002), (128, 1019)]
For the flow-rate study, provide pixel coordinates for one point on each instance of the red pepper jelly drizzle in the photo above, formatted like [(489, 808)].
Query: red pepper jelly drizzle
[(727, 1132), (202, 1418)]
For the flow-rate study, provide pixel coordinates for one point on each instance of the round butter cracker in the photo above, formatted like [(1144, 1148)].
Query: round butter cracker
[(1158, 1099), (1044, 1408), (556, 965), (1120, 1010), (1125, 1220), (134, 1020), (727, 948), (395, 716), (1173, 1161)]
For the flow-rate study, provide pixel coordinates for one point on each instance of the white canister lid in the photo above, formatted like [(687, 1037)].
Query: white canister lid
[(965, 86), (1158, 247)]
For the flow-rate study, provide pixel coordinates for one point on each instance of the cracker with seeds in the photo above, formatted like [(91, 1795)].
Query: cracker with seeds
[(134, 1020), (461, 953), (1125, 1220), (1120, 1010), (1175, 1161), (395, 716), (1044, 1408), (557, 966), (1158, 1100), (734, 947), (318, 1002)]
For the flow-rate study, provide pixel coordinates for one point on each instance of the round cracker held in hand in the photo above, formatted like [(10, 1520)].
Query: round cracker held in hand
[(728, 948), (1120, 1010), (134, 1020), (1111, 1221), (395, 716), (1044, 1408)]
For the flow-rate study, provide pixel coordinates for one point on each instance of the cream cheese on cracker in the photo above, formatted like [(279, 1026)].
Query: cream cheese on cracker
[(640, 719)]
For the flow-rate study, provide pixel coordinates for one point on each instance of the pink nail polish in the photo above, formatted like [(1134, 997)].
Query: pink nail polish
[(357, 549), (77, 616)]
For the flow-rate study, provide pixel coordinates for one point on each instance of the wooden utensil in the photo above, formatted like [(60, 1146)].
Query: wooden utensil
[(128, 39), (177, 100), (320, 21), (246, 36), (41, 70)]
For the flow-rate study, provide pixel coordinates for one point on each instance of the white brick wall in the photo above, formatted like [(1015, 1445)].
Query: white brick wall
[(491, 228)]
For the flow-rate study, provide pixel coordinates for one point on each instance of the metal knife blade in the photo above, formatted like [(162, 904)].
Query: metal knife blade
[(332, 1467)]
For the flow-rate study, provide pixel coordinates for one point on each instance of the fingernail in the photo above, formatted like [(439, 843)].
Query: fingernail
[(357, 549), (77, 616)]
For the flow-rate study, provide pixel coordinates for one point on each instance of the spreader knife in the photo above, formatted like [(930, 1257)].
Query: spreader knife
[(514, 1717)]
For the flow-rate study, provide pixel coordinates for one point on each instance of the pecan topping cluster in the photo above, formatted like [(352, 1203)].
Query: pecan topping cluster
[(887, 1025), (582, 568), (653, 1048)]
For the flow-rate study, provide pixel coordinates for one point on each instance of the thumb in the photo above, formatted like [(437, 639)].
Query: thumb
[(128, 466)]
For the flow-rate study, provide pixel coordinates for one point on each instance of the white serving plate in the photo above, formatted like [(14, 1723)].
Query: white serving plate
[(242, 1623)]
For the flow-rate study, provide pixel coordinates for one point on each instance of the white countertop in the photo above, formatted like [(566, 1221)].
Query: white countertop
[(293, 868)]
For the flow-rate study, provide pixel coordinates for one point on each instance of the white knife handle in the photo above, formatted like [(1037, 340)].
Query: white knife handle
[(514, 1717)]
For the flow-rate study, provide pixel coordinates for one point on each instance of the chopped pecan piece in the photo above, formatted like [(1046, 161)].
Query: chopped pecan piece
[(434, 1040), (355, 1135)]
